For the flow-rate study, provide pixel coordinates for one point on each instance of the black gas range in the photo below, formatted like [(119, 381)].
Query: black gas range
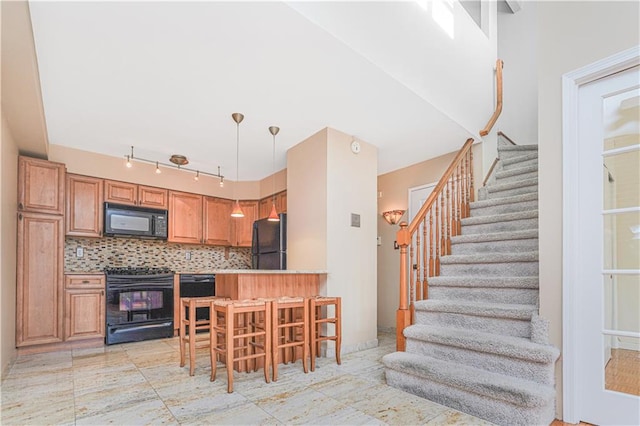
[(139, 304)]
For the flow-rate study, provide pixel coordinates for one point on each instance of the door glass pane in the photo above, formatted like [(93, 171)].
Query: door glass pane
[(622, 364), (620, 116), (622, 180), (622, 241), (622, 302)]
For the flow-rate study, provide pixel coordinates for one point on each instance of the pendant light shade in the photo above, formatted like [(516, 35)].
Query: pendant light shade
[(237, 117), (273, 216)]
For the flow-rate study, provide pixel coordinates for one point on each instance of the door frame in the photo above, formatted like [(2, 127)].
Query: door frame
[(571, 83)]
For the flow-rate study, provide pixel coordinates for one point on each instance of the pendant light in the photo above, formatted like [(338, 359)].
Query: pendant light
[(237, 117), (273, 216)]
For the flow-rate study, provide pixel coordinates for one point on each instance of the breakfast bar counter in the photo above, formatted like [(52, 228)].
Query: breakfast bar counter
[(249, 283)]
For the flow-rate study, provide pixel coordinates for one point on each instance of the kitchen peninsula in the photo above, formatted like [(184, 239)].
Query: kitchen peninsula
[(251, 283)]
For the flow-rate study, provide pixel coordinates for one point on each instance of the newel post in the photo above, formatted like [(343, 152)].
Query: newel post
[(403, 315)]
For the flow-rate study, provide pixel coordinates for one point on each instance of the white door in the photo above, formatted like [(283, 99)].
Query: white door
[(608, 250), (417, 196)]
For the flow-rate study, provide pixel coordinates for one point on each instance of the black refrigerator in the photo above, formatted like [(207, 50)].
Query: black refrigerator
[(269, 244)]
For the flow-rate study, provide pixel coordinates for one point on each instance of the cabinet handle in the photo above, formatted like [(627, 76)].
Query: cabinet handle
[(20, 206), (20, 216), (85, 281), (101, 292)]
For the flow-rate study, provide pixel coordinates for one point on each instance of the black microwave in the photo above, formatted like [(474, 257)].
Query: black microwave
[(130, 221)]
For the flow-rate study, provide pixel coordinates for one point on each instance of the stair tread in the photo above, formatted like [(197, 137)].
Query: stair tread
[(505, 200), (485, 282), (514, 347), (497, 187), (501, 217), (517, 391), (495, 236), (501, 174), (530, 147), (520, 158), (527, 256), (481, 309)]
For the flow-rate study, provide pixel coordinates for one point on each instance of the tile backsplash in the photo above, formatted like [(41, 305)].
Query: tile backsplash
[(99, 253)]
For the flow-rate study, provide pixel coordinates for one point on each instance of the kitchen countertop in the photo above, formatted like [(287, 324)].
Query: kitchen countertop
[(222, 271)]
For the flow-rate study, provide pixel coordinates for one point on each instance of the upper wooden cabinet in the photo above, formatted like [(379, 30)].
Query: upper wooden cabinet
[(217, 221), (39, 295), (244, 226), (84, 206), (40, 186), (135, 195), (264, 207), (185, 217)]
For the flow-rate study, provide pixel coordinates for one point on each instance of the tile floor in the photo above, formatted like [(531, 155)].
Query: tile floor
[(141, 383)]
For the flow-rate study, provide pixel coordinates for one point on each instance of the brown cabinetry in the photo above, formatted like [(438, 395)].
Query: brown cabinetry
[(217, 221), (39, 317), (84, 206), (244, 226), (135, 195), (84, 306), (264, 207), (185, 217), (40, 186)]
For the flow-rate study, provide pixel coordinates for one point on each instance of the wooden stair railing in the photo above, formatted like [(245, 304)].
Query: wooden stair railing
[(498, 110), (428, 236)]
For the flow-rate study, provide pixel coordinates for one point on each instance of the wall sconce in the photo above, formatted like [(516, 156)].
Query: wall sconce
[(393, 216)]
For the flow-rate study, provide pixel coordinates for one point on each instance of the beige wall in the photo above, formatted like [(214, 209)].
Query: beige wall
[(570, 35), (394, 187), (307, 203), (104, 166), (326, 182), (8, 226)]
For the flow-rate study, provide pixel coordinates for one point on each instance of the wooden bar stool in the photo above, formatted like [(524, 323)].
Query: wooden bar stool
[(190, 325), (241, 337), (289, 330), (320, 319)]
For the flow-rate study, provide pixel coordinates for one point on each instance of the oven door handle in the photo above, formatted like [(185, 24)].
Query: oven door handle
[(142, 286)]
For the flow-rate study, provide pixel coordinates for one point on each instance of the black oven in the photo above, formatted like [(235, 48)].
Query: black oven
[(139, 304)]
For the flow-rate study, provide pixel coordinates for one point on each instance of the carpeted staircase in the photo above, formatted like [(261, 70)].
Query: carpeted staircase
[(477, 344)]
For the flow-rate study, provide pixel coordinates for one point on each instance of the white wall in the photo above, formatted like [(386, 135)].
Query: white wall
[(326, 182), (8, 227), (570, 35)]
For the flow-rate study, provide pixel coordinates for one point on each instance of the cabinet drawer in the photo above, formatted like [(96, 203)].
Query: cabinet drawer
[(84, 281)]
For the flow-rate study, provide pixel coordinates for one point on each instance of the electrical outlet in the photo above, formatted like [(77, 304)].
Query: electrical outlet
[(187, 255), (79, 252), (355, 220)]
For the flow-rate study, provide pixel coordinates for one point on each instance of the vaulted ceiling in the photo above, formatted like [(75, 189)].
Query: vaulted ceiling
[(165, 77)]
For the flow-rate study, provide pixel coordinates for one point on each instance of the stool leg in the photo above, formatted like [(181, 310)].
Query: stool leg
[(267, 342), (338, 327), (182, 335), (192, 337), (305, 336), (314, 333), (275, 332), (213, 341), (230, 320)]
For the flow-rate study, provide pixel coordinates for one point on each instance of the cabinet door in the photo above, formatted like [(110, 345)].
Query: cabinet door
[(40, 186), (84, 314), (264, 208), (120, 192), (157, 198), (39, 294), (84, 206), (244, 226), (217, 221), (281, 202), (185, 218)]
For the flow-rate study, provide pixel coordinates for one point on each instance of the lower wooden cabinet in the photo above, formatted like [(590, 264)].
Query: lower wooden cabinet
[(84, 306), (39, 308)]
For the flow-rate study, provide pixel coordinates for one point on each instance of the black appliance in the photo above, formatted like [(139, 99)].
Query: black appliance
[(139, 304), (132, 221), (198, 285), (269, 244)]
